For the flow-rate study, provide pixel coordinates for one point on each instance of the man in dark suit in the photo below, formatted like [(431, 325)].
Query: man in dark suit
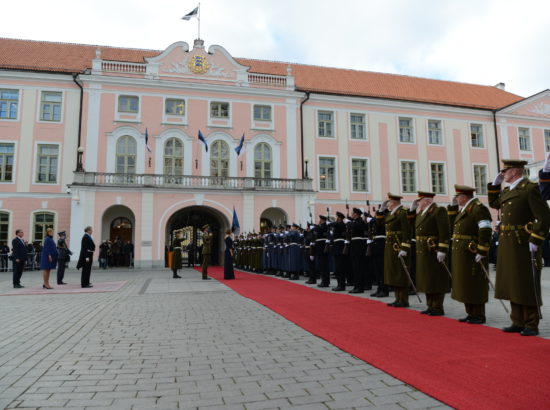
[(87, 249), (19, 257)]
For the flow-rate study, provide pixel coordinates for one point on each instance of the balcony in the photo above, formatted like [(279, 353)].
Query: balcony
[(190, 182)]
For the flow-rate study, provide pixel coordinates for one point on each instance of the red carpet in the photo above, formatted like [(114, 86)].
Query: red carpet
[(464, 366)]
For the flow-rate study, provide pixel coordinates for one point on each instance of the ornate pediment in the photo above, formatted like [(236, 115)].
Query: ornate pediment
[(535, 106)]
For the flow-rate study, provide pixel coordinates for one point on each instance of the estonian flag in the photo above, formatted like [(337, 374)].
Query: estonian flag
[(147, 140), (201, 138), (194, 13), (240, 147), (235, 227)]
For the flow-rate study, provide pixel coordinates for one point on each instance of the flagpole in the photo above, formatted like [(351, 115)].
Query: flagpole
[(199, 19)]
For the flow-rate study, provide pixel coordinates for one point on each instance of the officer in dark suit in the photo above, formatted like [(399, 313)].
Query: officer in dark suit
[(19, 257), (338, 239), (357, 250), (87, 249)]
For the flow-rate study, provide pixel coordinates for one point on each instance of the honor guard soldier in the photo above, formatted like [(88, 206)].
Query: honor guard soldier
[(309, 247), (525, 219), (207, 239), (321, 257), (376, 250), (338, 239), (397, 250), (470, 243), (357, 250), (432, 243), (177, 259), (294, 257)]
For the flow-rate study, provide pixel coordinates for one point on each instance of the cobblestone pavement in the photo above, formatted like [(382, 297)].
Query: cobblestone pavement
[(164, 343)]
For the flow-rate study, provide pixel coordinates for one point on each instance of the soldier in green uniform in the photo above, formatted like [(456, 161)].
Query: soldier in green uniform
[(471, 222), (398, 245), (525, 219), (206, 250), (176, 255), (432, 243)]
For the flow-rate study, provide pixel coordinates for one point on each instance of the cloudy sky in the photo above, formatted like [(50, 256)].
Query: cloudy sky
[(475, 41)]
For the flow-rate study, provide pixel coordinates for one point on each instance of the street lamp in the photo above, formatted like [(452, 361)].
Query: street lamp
[(306, 160), (79, 167)]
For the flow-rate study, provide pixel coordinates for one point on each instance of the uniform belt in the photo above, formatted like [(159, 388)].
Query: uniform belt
[(357, 238), (503, 227), (388, 233), (339, 240), (292, 243), (177, 247), (465, 237), (322, 239), (379, 236)]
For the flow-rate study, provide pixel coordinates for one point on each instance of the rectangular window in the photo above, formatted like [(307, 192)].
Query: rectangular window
[(406, 132), (325, 119), (8, 104), (438, 177), (6, 162), (524, 139), (4, 228), (327, 174), (357, 126), (480, 179), (262, 113), (359, 175), (50, 106), (476, 135), (174, 106), (408, 176), (547, 140), (128, 103), (219, 110), (46, 169), (434, 132)]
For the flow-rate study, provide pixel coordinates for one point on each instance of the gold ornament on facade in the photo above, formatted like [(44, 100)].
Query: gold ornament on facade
[(198, 64)]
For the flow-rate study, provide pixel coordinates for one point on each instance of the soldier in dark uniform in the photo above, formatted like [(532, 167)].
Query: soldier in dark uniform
[(338, 239), (376, 251), (177, 254), (64, 255), (357, 250), (432, 244), (294, 259), (309, 247), (207, 239), (471, 222), (525, 219), (321, 258)]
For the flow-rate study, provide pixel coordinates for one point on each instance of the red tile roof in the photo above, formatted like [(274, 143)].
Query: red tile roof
[(65, 57)]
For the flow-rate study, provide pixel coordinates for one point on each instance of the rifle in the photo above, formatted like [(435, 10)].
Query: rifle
[(327, 244), (347, 209)]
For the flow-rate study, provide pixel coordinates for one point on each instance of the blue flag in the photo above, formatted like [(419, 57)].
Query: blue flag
[(240, 147), (235, 227), (201, 138), (147, 140)]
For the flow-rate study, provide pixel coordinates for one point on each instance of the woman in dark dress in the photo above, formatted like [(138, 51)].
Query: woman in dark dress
[(48, 258), (228, 272)]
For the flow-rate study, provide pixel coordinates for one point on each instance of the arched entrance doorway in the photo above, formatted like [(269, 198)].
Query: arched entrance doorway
[(118, 227), (191, 220), (272, 217)]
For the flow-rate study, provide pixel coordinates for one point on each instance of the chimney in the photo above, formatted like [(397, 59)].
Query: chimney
[(501, 86)]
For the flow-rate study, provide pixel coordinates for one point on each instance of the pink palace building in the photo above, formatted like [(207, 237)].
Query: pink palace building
[(73, 148)]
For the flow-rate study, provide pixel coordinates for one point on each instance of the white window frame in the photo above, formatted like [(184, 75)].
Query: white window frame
[(483, 146), (441, 136), (332, 121), (368, 179), (444, 177), (112, 139), (227, 122), (39, 106), (205, 158), (484, 186), (19, 91), (59, 163), (183, 118), (133, 117), (270, 106), (219, 117), (365, 126), (401, 161), (319, 157), (160, 141), (269, 125), (36, 211), (530, 148), (413, 130), (275, 154), (14, 172)]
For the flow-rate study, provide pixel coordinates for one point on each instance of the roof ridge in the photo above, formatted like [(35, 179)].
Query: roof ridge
[(79, 44)]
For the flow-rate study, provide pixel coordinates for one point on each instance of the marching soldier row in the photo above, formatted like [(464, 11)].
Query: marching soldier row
[(427, 248)]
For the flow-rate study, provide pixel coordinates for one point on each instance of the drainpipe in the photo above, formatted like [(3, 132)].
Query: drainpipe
[(496, 137), (79, 167), (302, 130)]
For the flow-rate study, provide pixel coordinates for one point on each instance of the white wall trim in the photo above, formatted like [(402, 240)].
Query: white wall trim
[(112, 138), (160, 141), (275, 154)]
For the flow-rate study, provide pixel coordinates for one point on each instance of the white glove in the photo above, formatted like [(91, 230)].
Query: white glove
[(369, 241), (499, 178), (441, 256), (346, 241), (402, 254), (384, 205), (533, 247), (454, 202), (479, 257), (414, 205), (547, 164), (369, 219), (327, 241), (311, 257)]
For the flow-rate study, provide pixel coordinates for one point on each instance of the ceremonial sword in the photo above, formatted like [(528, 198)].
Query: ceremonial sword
[(491, 284)]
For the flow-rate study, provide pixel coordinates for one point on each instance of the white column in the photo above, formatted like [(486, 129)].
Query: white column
[(92, 130), (248, 213), (291, 146), (82, 215), (146, 243)]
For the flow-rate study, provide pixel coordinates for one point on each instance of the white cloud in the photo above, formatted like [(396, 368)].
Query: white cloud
[(473, 41)]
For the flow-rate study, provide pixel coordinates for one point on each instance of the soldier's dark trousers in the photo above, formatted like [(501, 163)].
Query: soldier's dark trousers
[(435, 302), (525, 316), (205, 263), (339, 261), (322, 267), (60, 270), (377, 263), (358, 267), (401, 294), (476, 310), (18, 272)]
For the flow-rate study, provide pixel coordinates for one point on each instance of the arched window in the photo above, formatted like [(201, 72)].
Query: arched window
[(219, 159), (42, 221), (262, 160), (173, 157), (126, 150), (4, 227)]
